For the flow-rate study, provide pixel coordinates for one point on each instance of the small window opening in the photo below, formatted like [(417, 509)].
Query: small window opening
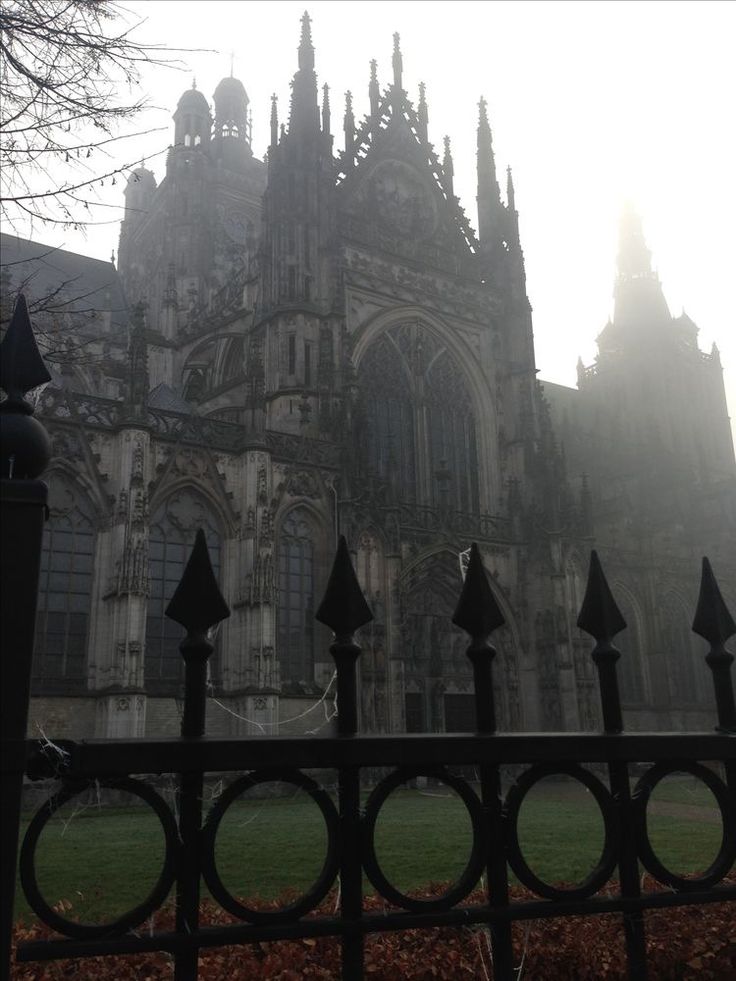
[(307, 363), (292, 354)]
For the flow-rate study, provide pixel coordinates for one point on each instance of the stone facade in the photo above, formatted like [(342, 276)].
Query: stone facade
[(322, 343)]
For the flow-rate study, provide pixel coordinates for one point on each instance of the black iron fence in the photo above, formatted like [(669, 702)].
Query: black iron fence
[(602, 762)]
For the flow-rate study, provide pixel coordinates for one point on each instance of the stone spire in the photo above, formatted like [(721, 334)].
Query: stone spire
[(349, 123), (422, 113), (510, 197), (638, 298), (397, 62), (306, 48), (513, 215), (373, 91), (304, 115), (489, 197), (274, 120), (634, 258), (326, 109), (449, 169)]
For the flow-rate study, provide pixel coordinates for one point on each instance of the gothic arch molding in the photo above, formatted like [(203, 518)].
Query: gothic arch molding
[(172, 487), (97, 500), (321, 521), (197, 468), (481, 398)]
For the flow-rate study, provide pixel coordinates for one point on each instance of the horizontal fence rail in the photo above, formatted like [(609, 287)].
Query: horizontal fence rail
[(619, 770), (608, 764)]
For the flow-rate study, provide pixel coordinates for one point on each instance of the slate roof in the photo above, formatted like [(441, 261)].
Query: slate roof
[(164, 397), (72, 282)]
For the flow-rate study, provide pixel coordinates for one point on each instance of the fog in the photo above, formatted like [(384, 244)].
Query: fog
[(590, 103)]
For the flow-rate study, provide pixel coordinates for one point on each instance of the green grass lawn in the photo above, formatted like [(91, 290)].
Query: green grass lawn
[(681, 788), (104, 860)]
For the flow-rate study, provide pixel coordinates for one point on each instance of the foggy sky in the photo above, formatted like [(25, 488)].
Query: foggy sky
[(591, 103)]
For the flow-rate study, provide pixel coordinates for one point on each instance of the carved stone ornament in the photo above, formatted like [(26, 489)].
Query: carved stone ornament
[(401, 200), (303, 483)]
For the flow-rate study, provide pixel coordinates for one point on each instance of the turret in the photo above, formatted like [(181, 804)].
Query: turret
[(139, 193), (192, 120), (232, 127)]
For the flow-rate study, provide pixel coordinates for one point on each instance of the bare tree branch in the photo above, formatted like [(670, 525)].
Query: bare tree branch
[(70, 75)]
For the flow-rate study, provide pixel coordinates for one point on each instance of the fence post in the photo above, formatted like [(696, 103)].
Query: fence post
[(601, 618), (478, 614), (713, 622), (197, 604), (344, 610), (25, 450)]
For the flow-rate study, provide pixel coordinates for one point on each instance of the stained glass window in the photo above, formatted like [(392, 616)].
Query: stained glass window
[(296, 599), (65, 589), (417, 419), (388, 418), (451, 430)]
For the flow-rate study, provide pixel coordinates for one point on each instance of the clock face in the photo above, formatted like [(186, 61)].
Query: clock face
[(401, 200)]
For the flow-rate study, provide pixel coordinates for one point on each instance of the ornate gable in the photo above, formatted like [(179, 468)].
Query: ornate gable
[(393, 193)]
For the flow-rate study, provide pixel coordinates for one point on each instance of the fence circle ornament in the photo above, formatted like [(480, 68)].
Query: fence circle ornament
[(474, 867), (726, 856), (130, 919), (602, 871), (322, 885)]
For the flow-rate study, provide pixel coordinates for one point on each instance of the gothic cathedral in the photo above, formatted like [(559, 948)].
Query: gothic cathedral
[(320, 343)]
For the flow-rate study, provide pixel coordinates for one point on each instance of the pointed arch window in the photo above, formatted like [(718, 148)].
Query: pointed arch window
[(451, 431), (296, 598), (416, 420), (172, 532), (65, 591), (387, 419)]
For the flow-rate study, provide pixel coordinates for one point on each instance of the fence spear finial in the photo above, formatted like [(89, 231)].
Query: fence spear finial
[(713, 621), (26, 448), (599, 615), (197, 603), (601, 618), (477, 612), (343, 608)]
